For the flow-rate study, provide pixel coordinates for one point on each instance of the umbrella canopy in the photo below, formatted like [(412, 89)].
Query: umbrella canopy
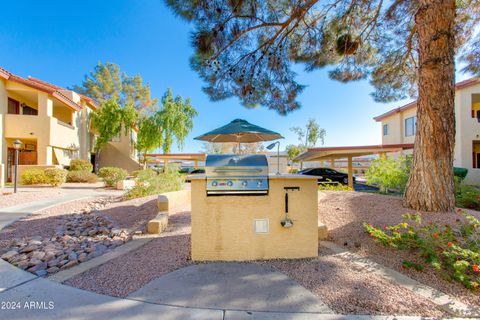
[(240, 131)]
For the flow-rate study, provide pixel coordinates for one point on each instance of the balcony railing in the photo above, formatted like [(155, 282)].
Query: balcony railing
[(60, 122)]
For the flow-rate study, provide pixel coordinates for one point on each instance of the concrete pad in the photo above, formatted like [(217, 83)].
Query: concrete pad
[(234, 286), (11, 276), (49, 300)]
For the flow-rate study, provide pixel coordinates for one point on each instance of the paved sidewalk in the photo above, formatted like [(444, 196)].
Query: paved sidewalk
[(230, 286), (11, 214)]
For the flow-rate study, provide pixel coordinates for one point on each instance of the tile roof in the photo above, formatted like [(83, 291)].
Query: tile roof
[(88, 100), (44, 86), (459, 86)]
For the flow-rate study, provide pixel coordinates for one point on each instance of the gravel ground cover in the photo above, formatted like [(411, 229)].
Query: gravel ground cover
[(132, 214), (25, 195), (130, 272), (349, 289), (344, 214), (345, 288)]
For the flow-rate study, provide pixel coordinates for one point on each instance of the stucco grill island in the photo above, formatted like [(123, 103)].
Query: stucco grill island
[(240, 212)]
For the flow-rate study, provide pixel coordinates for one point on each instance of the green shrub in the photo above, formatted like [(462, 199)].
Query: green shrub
[(460, 172), (55, 176), (334, 186), (33, 176), (111, 175), (389, 173), (466, 196), (149, 182), (451, 250), (82, 176), (80, 165)]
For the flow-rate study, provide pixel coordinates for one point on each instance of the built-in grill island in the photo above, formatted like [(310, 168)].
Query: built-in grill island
[(240, 212), (236, 174)]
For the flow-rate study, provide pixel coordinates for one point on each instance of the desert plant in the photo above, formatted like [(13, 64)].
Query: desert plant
[(82, 176), (111, 175), (466, 196), (452, 250), (149, 182), (33, 176), (55, 176), (334, 186), (80, 165), (389, 173)]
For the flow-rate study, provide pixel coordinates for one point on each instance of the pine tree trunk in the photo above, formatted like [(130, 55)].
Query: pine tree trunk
[(430, 186)]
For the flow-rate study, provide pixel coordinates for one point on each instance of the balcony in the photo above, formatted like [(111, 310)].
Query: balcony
[(47, 130)]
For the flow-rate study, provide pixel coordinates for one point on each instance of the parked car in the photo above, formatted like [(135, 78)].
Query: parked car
[(326, 175), (196, 171), (185, 170)]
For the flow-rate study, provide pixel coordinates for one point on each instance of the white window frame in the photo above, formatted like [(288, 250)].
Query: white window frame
[(414, 124), (385, 129)]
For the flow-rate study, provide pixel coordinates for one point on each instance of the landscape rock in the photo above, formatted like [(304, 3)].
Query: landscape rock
[(29, 248), (41, 273), (39, 255), (72, 256), (23, 264), (9, 255), (38, 267), (53, 269), (70, 264), (78, 237)]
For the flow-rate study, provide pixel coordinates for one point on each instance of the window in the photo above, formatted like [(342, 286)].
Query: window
[(385, 129), (410, 126), (29, 110), (13, 106)]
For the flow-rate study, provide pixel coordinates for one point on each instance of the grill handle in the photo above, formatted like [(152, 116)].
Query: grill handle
[(286, 202), (286, 195), (237, 170)]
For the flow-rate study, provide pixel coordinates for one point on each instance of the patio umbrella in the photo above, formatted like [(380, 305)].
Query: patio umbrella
[(240, 131)]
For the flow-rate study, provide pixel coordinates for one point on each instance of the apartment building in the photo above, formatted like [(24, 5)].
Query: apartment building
[(53, 125), (399, 127)]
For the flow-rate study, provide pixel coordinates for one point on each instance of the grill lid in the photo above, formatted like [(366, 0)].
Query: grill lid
[(236, 174), (234, 160)]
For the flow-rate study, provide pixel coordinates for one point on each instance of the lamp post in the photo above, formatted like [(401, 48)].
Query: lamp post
[(16, 145), (270, 147)]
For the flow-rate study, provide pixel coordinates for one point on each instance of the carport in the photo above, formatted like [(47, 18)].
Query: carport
[(159, 157), (333, 153)]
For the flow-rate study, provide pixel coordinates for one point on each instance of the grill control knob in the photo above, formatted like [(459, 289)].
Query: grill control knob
[(229, 183), (259, 183), (244, 183), (214, 183)]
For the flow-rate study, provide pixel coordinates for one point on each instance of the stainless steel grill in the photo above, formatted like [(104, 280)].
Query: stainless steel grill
[(229, 174)]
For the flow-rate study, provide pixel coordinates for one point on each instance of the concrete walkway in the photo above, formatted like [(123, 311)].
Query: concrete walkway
[(230, 286), (11, 214)]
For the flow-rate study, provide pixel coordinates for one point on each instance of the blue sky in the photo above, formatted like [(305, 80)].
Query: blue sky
[(61, 41)]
